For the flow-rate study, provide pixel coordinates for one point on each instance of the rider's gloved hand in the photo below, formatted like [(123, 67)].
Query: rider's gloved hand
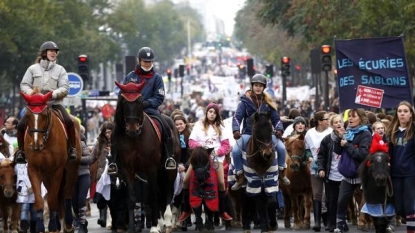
[(236, 135)]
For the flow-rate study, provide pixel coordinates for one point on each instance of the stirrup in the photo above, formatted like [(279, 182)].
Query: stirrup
[(170, 160), (114, 169)]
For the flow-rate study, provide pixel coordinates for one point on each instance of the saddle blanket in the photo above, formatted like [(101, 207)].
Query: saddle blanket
[(377, 210), (256, 183), (208, 193)]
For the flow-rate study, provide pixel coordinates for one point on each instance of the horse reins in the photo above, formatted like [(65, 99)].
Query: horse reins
[(388, 193)]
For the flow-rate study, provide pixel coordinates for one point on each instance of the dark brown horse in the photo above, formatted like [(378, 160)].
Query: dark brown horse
[(136, 142), (8, 196), (46, 154), (203, 189), (260, 169), (299, 193)]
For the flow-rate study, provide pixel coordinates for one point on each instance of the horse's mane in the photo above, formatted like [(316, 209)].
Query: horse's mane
[(35, 90), (262, 128), (119, 120), (199, 157)]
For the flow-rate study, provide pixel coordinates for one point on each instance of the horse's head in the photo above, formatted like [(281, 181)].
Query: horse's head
[(39, 117), (7, 178), (262, 134), (295, 147), (130, 108), (200, 161), (379, 167)]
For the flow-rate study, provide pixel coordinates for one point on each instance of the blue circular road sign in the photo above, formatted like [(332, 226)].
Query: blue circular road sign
[(76, 84)]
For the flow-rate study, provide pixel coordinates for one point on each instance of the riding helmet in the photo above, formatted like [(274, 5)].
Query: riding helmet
[(259, 78), (48, 45), (145, 54)]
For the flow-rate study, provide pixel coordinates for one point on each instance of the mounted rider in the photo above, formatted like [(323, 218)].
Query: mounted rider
[(48, 76), (153, 94), (255, 100)]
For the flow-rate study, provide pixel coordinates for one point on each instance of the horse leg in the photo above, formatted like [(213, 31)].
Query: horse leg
[(35, 180), (153, 200), (209, 225), (287, 210), (307, 200), (272, 213), (261, 205), (247, 208), (198, 217), (296, 212)]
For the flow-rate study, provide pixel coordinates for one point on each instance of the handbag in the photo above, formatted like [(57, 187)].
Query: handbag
[(347, 165)]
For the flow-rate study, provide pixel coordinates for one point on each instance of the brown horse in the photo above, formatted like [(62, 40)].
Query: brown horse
[(46, 154), (8, 196), (299, 192), (260, 168), (136, 142)]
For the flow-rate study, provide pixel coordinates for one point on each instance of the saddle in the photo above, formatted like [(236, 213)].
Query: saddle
[(157, 124)]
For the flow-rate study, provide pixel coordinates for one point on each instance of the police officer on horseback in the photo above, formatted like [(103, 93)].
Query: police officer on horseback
[(48, 76), (255, 100), (153, 96)]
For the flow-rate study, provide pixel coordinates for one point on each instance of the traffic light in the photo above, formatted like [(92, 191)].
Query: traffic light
[(250, 67), (325, 58), (269, 71), (83, 67), (181, 70), (168, 71), (285, 66)]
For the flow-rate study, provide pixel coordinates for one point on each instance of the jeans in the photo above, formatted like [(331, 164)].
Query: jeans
[(80, 192), (404, 195), (25, 209), (280, 199), (241, 145), (345, 193)]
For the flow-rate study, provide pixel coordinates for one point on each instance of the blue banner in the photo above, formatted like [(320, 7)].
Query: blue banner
[(372, 73)]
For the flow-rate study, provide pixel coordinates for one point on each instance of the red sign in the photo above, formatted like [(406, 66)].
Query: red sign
[(369, 96), (107, 111)]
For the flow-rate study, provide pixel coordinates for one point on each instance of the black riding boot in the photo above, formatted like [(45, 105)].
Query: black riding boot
[(222, 205), (72, 142), (186, 211), (170, 162), (20, 156), (317, 215), (102, 221)]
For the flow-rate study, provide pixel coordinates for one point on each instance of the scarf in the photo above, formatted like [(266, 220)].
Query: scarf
[(143, 74), (351, 132)]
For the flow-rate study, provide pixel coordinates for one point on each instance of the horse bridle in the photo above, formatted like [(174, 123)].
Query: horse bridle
[(260, 147), (139, 119), (46, 131)]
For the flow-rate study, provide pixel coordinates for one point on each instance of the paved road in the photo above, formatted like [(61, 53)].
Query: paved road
[(93, 227)]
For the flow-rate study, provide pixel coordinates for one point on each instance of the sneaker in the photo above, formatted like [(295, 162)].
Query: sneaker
[(225, 216), (285, 181), (170, 164), (337, 230), (240, 181), (184, 215)]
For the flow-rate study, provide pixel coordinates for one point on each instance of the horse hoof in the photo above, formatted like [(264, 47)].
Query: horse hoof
[(287, 225)]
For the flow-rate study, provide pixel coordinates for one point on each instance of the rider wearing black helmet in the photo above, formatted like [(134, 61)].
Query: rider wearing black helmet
[(255, 100), (47, 75), (153, 97)]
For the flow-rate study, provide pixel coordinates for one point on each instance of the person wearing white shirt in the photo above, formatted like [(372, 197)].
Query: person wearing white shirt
[(209, 132), (313, 139)]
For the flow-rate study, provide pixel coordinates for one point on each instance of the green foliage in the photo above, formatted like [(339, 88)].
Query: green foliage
[(317, 22), (100, 29)]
